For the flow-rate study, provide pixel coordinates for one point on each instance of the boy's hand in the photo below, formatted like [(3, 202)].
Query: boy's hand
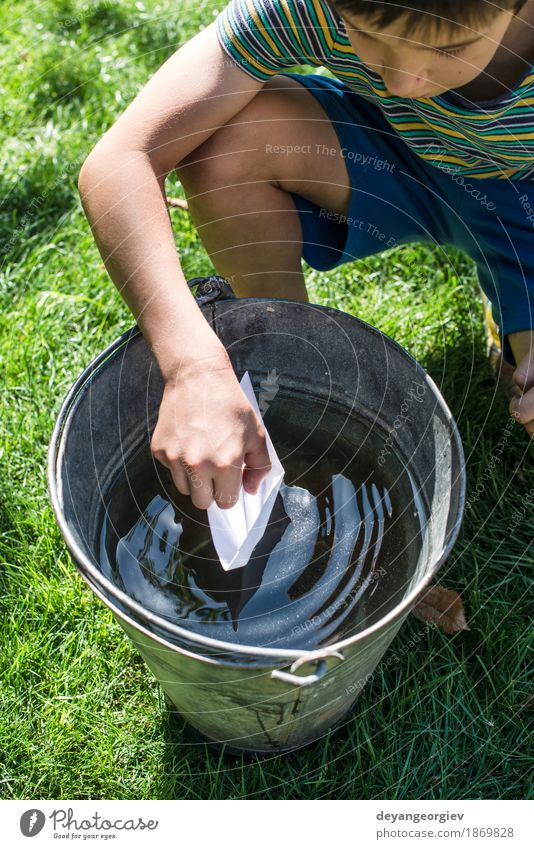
[(522, 406), (208, 435)]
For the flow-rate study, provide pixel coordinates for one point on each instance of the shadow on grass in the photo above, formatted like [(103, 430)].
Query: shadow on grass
[(235, 775), (465, 379), (363, 757)]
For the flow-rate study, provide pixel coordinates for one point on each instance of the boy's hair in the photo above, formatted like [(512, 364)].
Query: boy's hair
[(431, 15)]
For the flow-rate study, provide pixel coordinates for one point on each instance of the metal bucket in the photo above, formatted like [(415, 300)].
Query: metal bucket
[(248, 697)]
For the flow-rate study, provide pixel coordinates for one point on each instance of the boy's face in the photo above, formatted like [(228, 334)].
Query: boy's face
[(417, 64)]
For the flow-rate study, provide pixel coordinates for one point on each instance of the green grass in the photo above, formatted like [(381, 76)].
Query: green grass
[(80, 715)]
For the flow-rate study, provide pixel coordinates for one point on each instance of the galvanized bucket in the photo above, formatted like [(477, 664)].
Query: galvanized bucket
[(244, 696)]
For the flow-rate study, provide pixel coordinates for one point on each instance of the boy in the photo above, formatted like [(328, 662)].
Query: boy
[(427, 128)]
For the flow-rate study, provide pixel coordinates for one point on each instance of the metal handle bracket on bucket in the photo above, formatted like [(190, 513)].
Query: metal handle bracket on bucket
[(320, 658), (213, 288)]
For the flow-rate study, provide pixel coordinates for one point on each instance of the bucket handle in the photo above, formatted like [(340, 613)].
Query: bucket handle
[(213, 288), (319, 657)]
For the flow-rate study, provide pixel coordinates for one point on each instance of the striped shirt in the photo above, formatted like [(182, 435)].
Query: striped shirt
[(492, 139)]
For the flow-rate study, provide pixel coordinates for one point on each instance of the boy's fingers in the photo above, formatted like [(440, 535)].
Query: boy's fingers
[(523, 376), (227, 484), (180, 479), (522, 408), (257, 466), (201, 488), (529, 427), (178, 473), (194, 482)]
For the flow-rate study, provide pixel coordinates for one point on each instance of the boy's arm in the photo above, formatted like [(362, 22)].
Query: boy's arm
[(522, 406), (206, 428)]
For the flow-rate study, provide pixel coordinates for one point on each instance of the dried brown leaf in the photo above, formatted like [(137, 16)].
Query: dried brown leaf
[(444, 608)]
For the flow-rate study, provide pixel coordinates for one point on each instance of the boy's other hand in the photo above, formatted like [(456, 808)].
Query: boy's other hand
[(522, 406), (208, 435)]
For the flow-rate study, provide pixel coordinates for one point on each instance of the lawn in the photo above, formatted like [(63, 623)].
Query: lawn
[(80, 715)]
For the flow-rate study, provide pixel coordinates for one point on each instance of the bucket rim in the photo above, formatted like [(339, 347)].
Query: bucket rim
[(92, 576)]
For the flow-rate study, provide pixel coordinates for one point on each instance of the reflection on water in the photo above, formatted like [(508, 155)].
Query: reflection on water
[(338, 552)]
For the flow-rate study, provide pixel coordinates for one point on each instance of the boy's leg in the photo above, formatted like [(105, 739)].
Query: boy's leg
[(238, 184)]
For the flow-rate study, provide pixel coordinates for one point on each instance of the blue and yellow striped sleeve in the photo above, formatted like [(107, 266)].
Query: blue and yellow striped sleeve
[(266, 36)]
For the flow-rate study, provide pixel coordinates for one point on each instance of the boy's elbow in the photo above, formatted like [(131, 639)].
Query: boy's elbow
[(93, 165), (107, 157), (86, 174), (82, 178)]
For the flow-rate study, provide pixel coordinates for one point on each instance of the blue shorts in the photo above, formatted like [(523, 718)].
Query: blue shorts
[(399, 198)]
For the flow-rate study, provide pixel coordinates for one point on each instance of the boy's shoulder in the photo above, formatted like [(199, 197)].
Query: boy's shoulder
[(284, 12), (266, 36)]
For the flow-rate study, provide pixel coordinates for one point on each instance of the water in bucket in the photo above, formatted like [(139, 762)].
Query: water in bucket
[(342, 544)]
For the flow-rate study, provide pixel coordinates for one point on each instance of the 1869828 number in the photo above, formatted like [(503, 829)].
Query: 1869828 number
[(490, 832)]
